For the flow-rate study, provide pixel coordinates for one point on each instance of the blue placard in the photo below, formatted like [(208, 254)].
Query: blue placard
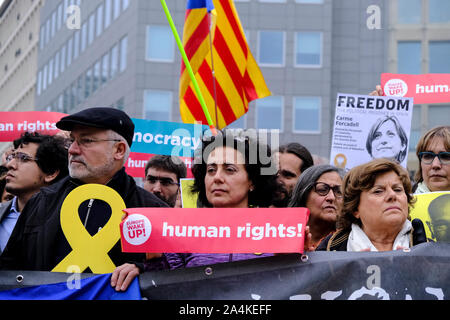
[(166, 138)]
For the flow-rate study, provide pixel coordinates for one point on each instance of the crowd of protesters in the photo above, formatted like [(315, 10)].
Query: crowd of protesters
[(364, 209)]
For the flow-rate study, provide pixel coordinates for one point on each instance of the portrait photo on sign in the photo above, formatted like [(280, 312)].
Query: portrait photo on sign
[(387, 139)]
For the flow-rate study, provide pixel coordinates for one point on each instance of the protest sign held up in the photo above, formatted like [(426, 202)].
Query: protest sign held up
[(204, 230), (368, 127)]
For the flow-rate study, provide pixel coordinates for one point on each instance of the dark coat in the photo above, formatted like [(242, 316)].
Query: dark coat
[(38, 242)]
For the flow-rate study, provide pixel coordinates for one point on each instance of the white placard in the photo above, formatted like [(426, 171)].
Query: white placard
[(370, 127)]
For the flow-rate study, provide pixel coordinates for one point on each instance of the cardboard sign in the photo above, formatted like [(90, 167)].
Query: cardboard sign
[(188, 199), (424, 88), (13, 124), (214, 230), (370, 127), (433, 209)]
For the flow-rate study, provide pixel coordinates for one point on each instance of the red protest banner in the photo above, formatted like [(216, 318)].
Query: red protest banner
[(423, 88), (136, 162), (13, 124), (212, 230)]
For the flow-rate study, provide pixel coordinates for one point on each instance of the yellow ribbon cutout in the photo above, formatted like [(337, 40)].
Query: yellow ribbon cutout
[(90, 251)]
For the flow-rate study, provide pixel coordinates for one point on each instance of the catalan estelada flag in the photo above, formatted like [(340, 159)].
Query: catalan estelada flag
[(214, 40)]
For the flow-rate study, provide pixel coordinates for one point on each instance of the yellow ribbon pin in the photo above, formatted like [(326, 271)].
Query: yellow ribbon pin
[(90, 251)]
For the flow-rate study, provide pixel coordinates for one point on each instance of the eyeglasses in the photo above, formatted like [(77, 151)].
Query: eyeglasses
[(427, 157), (87, 142), (165, 182), (20, 156), (323, 189)]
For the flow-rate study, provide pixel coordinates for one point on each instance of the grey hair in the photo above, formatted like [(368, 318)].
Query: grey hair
[(115, 136), (306, 182)]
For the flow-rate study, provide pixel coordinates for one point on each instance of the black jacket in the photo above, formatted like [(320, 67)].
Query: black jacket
[(338, 240), (38, 242)]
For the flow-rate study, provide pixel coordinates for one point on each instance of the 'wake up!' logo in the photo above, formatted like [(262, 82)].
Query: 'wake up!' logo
[(396, 88)]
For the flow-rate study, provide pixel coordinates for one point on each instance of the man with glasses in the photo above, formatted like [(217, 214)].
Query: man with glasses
[(100, 140), (36, 161), (162, 177)]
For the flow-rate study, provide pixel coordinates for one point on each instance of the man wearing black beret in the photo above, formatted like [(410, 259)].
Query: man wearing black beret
[(100, 140)]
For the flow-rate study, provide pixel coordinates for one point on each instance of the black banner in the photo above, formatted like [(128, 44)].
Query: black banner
[(422, 273)]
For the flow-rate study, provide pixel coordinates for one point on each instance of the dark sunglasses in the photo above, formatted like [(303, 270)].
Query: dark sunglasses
[(427, 157), (323, 189), (165, 182)]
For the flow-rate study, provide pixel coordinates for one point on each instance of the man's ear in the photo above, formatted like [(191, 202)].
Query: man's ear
[(50, 177), (120, 150)]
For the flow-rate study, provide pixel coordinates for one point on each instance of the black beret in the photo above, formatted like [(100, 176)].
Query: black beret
[(100, 117)]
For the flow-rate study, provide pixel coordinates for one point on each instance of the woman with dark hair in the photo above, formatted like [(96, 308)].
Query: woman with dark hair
[(229, 172), (319, 190), (387, 139), (375, 210)]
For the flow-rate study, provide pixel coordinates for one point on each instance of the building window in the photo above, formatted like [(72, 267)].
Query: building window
[(157, 105), (63, 59), (269, 113), (44, 78), (88, 83), (97, 75), (116, 9), (160, 46), (91, 31), (308, 49), (439, 11), (105, 68), (114, 60), (439, 56), (307, 114), (53, 31), (99, 20), (108, 11), (39, 83), (123, 54), (59, 19), (42, 37), (80, 88), (76, 44), (409, 11), (271, 48), (50, 72), (57, 64), (125, 4), (409, 57), (84, 30), (69, 51)]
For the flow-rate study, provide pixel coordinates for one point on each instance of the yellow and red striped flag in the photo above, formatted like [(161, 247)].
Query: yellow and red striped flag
[(237, 79)]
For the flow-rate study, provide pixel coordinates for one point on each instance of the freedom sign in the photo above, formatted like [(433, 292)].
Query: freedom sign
[(424, 88), (214, 230)]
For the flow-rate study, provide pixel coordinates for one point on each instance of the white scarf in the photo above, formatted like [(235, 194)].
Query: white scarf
[(358, 240), (422, 188)]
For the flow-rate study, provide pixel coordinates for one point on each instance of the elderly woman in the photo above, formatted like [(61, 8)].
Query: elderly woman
[(229, 172), (319, 190), (375, 212), (433, 151)]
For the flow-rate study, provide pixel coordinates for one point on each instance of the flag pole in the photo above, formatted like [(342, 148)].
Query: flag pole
[(188, 67)]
